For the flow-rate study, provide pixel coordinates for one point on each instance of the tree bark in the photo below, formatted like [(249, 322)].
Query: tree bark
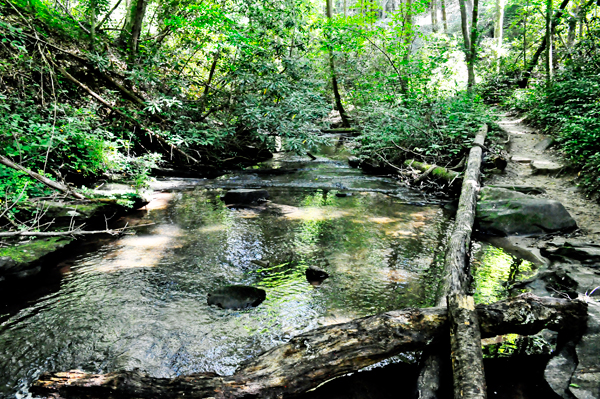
[(498, 30), (312, 358), (136, 28), (464, 23), (549, 42), (473, 48), (434, 19), (50, 183), (444, 15), (334, 81), (465, 336)]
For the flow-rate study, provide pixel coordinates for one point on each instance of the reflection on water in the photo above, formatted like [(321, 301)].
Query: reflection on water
[(495, 270), (140, 301)]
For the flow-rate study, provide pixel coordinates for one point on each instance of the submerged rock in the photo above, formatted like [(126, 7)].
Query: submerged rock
[(506, 212), (237, 297), (28, 259), (314, 273), (245, 196)]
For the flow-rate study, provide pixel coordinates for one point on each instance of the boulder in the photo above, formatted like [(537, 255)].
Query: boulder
[(506, 212), (245, 196), (237, 297), (314, 273)]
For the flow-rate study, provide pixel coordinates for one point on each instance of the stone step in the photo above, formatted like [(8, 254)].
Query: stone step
[(545, 167)]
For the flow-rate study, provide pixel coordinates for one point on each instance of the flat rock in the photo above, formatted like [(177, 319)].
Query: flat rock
[(523, 216), (28, 259), (245, 196), (236, 297), (520, 159), (544, 144), (489, 193), (520, 188), (545, 167), (573, 250)]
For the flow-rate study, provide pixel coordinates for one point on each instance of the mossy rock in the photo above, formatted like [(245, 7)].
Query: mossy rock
[(27, 259), (523, 216)]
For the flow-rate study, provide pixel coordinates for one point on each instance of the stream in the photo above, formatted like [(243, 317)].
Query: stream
[(140, 300)]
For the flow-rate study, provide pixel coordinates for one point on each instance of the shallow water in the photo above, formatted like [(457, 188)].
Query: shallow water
[(140, 301)]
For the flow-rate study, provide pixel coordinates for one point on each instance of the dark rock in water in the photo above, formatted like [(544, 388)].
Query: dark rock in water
[(573, 250), (245, 196), (314, 273), (342, 195), (505, 212), (237, 297), (354, 162)]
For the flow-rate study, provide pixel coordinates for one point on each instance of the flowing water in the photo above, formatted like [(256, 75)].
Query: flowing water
[(140, 301)]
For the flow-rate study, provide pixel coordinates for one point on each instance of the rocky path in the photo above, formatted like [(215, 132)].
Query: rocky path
[(535, 163), (571, 261)]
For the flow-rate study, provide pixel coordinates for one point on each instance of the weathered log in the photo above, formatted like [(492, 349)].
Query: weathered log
[(437, 171), (317, 356), (43, 179), (465, 336)]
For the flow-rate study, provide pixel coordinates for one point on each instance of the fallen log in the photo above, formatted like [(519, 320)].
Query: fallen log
[(317, 356), (465, 336), (434, 170), (43, 179)]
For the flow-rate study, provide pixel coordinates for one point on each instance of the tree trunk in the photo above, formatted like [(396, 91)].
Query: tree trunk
[(444, 16), (434, 20), (555, 21), (465, 336), (473, 48), (92, 23), (572, 28), (312, 358), (334, 81), (464, 23), (549, 43), (136, 28), (498, 30)]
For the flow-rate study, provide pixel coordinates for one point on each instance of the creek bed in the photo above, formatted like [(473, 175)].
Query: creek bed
[(140, 301)]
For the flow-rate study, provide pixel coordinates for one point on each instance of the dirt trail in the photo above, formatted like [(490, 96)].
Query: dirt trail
[(526, 150)]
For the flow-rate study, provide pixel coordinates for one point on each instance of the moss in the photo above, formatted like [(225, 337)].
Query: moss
[(35, 249)]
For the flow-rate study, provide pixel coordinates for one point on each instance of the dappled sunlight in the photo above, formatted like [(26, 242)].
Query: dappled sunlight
[(143, 251)]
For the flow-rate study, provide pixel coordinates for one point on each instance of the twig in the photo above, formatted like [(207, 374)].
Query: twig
[(70, 232)]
